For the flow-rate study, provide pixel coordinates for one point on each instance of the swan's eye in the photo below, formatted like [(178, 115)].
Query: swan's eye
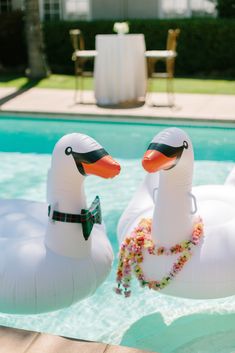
[(185, 144), (68, 151)]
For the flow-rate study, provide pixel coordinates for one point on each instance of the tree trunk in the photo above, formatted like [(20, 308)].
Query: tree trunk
[(37, 62)]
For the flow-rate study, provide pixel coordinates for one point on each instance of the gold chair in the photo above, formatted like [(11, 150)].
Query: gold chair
[(80, 57), (168, 57)]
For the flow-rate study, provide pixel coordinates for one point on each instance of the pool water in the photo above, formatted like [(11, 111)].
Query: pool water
[(147, 320)]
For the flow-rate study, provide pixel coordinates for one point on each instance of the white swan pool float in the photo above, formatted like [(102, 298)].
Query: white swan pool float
[(167, 197), (48, 264)]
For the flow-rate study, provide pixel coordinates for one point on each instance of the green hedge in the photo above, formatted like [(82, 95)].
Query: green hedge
[(12, 44), (206, 46), (226, 8)]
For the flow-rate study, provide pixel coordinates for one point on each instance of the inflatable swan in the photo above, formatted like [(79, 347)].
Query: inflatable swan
[(51, 258), (178, 253)]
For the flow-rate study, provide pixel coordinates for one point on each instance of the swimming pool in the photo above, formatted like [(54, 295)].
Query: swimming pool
[(147, 320)]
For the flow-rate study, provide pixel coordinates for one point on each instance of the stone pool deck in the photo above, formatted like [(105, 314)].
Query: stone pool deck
[(13, 340), (219, 108)]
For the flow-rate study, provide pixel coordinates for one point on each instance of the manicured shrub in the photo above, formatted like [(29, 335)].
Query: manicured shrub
[(59, 47), (12, 43), (206, 46), (226, 8)]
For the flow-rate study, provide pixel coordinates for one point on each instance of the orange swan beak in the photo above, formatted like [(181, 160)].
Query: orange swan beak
[(106, 167), (153, 161)]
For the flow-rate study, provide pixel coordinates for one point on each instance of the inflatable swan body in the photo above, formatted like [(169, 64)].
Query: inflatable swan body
[(47, 263), (167, 197)]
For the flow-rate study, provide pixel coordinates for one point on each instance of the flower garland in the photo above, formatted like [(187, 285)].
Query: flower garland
[(131, 256)]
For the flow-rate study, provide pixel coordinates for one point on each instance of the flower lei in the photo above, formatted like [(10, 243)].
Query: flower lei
[(131, 256)]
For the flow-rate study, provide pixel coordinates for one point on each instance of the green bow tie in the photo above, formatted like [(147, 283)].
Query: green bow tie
[(87, 218), (90, 217)]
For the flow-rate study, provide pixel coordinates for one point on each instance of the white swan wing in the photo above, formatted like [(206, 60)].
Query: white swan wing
[(22, 218)]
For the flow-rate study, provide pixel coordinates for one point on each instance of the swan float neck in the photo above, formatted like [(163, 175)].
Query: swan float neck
[(172, 215), (80, 155), (173, 158), (65, 238)]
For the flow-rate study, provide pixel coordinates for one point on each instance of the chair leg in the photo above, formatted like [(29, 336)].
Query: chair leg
[(82, 63), (78, 81), (76, 88), (150, 91), (76, 73), (170, 91), (150, 65), (170, 64), (81, 86)]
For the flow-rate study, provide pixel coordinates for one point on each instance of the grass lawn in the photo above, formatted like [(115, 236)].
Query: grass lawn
[(182, 85)]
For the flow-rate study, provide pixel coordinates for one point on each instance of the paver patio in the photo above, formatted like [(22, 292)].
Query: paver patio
[(188, 106)]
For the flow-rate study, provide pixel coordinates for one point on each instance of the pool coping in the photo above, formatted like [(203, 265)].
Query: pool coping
[(44, 115)]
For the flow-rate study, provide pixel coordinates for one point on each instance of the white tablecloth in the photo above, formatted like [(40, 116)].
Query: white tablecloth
[(120, 68)]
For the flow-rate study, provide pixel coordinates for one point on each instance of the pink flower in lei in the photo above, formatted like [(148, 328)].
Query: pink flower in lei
[(131, 256)]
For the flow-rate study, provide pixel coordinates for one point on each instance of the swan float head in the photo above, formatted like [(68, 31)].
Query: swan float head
[(169, 149), (84, 153)]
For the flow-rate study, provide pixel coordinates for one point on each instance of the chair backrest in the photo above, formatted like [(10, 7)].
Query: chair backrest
[(172, 39), (77, 39)]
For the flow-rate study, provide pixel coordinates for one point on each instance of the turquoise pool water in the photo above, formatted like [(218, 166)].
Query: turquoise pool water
[(147, 320)]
